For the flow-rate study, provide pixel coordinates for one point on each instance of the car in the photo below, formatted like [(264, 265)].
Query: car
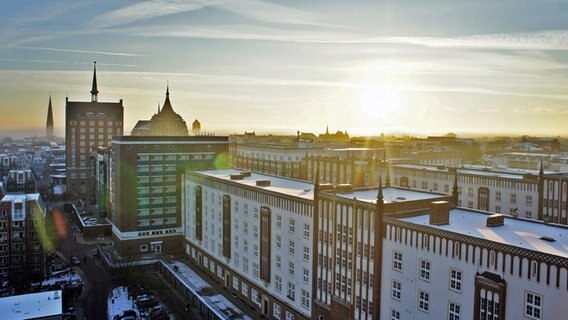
[(75, 261)]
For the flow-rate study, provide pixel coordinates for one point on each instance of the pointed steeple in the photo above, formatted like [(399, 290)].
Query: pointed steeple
[(49, 122), (455, 189), (380, 191), (167, 106), (94, 90)]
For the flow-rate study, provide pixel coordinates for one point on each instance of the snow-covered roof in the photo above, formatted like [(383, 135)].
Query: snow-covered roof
[(475, 170), (193, 281), (390, 195), (290, 187), (33, 305), (19, 197), (515, 232)]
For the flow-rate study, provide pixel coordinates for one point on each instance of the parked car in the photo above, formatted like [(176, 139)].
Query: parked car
[(75, 261)]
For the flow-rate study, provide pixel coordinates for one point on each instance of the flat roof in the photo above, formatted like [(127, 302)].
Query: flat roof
[(20, 197), (476, 170), (520, 233), (296, 188), (390, 195), (33, 305)]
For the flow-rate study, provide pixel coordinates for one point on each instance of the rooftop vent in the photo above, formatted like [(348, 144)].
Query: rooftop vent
[(439, 212), (547, 238), (495, 220), (263, 182), (237, 176), (246, 173)]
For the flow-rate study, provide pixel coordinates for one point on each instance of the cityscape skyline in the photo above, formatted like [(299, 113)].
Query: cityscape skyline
[(365, 67)]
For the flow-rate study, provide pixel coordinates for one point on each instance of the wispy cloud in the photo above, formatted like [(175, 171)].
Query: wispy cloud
[(251, 9), (83, 51), (147, 10)]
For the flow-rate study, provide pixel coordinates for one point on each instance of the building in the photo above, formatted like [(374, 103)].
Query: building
[(88, 125), (46, 305), (138, 185), (49, 123), (164, 123), (464, 264), (22, 258), (253, 233), (21, 181), (422, 259)]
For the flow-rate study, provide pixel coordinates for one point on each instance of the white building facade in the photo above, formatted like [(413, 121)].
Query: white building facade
[(254, 233)]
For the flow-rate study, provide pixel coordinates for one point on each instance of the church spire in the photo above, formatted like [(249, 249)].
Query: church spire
[(380, 191), (49, 122), (167, 106), (94, 90)]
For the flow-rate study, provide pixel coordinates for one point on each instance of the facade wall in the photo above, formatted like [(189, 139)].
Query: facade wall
[(409, 248), (514, 196), (288, 285), (21, 254), (88, 125)]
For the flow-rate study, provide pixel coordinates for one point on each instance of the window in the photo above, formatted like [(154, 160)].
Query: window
[(276, 311), (291, 291), (529, 200), (533, 305), (292, 247), (278, 262), (278, 221), (423, 301), (292, 226), (397, 261), (425, 270), (396, 288), (289, 316), (454, 311), (306, 275), (305, 299), (306, 253), (395, 315), (513, 198), (278, 241), (278, 283), (497, 195), (455, 280), (291, 268), (236, 283), (245, 289), (306, 230)]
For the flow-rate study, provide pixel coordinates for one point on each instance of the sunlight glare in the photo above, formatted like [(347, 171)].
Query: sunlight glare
[(378, 101)]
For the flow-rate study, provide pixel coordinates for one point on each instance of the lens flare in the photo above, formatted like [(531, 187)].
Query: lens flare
[(60, 225)]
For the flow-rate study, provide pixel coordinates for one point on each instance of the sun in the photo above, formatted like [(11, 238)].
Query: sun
[(378, 101)]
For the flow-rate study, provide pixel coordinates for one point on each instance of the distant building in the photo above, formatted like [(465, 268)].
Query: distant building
[(22, 258), (49, 123), (196, 127), (138, 185), (21, 181), (164, 123), (88, 125)]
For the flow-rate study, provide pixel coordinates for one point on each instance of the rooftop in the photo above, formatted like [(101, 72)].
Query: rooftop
[(21, 197), (290, 187), (33, 305), (390, 195), (477, 170), (515, 232)]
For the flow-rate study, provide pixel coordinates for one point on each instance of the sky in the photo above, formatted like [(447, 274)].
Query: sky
[(367, 67)]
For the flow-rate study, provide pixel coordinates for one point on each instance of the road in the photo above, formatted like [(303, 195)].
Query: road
[(92, 304)]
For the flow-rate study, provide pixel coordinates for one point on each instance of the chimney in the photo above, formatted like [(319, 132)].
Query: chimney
[(440, 212), (495, 220), (263, 182)]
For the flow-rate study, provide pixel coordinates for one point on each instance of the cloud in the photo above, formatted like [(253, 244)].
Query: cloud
[(147, 10), (251, 9), (84, 51), (538, 40)]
